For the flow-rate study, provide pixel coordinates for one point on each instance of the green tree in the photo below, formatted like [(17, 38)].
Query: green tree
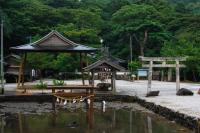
[(137, 21), (183, 48)]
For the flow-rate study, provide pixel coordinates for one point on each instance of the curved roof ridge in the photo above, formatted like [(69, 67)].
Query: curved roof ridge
[(53, 32), (101, 61)]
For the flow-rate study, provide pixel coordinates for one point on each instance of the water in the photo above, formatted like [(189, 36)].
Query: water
[(118, 118)]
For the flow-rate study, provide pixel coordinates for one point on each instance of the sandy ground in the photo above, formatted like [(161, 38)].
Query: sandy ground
[(189, 105)]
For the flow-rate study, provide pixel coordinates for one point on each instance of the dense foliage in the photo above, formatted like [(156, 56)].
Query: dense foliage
[(152, 27)]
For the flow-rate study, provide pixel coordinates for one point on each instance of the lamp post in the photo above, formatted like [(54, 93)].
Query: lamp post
[(2, 61), (101, 41)]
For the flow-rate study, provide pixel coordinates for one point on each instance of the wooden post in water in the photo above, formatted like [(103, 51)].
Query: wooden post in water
[(90, 113), (114, 118), (20, 122), (2, 124)]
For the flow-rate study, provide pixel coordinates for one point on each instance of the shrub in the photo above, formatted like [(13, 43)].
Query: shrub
[(58, 82), (41, 85)]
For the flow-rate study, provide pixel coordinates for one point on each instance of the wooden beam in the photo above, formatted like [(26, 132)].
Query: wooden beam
[(163, 66), (71, 87), (71, 95), (162, 58)]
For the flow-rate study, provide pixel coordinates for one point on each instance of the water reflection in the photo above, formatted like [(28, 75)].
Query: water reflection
[(89, 120), (2, 123)]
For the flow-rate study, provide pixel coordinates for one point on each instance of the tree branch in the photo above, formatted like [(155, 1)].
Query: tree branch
[(137, 40), (145, 37)]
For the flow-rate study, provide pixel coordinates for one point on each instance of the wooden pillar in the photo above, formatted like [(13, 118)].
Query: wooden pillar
[(21, 71), (162, 75), (86, 60), (149, 76), (20, 74), (162, 71), (54, 118), (184, 75), (81, 69), (177, 75), (54, 104), (113, 82), (169, 75), (92, 77)]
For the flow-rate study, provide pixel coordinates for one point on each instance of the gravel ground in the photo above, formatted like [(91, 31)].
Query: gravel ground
[(189, 105), (39, 108)]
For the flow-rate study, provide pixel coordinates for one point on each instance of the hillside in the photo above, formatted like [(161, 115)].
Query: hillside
[(152, 28)]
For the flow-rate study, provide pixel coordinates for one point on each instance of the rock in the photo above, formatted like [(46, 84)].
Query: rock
[(103, 86), (198, 92), (184, 92), (152, 93), (74, 124)]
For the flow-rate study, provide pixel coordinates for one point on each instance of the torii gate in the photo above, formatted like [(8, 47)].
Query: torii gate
[(164, 64)]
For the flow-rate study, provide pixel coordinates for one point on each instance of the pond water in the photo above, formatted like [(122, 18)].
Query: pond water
[(117, 118)]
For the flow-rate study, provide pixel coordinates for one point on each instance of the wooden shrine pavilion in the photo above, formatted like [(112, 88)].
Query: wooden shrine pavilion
[(53, 42), (106, 68)]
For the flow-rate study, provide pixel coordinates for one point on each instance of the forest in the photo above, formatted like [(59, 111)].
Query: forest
[(152, 27)]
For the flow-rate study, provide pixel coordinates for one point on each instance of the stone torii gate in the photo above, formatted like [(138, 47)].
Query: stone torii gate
[(166, 62)]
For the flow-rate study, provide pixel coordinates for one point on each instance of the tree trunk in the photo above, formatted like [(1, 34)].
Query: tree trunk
[(194, 76), (131, 48), (142, 42), (141, 49)]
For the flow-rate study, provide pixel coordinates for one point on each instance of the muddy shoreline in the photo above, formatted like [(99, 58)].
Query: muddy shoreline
[(182, 119)]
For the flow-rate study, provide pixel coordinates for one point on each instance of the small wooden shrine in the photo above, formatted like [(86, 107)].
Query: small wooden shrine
[(106, 68)]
